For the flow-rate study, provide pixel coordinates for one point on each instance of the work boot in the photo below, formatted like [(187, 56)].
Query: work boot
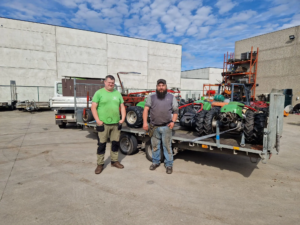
[(99, 169), (153, 166), (117, 164), (169, 170)]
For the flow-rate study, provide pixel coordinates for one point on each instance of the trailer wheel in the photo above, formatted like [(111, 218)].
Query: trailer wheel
[(259, 125), (148, 151), (88, 116), (200, 117), (249, 126), (128, 144), (210, 120), (63, 125), (134, 116)]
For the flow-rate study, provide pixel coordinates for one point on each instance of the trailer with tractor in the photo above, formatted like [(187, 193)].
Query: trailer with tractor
[(219, 142)]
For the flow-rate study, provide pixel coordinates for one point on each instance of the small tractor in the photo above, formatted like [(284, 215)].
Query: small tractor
[(236, 116)]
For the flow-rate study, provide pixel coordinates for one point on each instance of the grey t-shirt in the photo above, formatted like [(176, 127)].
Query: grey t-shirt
[(161, 110)]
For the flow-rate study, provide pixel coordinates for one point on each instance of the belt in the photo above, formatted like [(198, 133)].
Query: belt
[(162, 125)]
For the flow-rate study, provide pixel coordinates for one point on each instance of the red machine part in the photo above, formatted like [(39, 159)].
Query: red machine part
[(211, 92), (183, 106), (259, 104)]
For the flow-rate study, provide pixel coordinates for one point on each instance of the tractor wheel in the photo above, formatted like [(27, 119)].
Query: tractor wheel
[(134, 116), (88, 116), (211, 120), (200, 118), (249, 126), (259, 125)]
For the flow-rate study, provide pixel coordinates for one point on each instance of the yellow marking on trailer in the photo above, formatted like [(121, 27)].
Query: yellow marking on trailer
[(236, 148), (204, 146)]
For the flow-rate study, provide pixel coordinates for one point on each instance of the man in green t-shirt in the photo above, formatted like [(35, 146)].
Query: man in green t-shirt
[(105, 109)]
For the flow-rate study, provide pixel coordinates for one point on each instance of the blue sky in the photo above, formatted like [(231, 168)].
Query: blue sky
[(206, 29)]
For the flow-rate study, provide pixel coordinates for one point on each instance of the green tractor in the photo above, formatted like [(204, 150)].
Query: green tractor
[(236, 116)]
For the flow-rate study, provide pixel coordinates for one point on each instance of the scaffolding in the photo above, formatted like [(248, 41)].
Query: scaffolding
[(233, 67)]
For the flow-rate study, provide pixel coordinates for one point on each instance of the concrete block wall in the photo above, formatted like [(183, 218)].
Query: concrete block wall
[(278, 62), (35, 54), (27, 53)]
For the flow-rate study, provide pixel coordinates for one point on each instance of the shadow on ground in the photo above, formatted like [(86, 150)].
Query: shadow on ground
[(239, 164)]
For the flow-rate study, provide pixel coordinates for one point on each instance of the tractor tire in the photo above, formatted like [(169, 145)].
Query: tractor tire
[(200, 118), (148, 151), (88, 116), (128, 144), (134, 116), (208, 120), (249, 126), (259, 125)]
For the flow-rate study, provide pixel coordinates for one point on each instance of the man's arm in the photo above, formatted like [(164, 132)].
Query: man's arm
[(175, 113), (145, 118), (95, 113), (123, 113)]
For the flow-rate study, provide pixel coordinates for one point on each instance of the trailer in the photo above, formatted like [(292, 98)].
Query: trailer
[(8, 95), (184, 139)]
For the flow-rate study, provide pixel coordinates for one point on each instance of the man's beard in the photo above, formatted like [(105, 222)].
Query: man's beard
[(161, 95)]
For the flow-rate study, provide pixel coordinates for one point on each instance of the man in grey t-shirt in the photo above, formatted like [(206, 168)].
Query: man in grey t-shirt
[(163, 114)]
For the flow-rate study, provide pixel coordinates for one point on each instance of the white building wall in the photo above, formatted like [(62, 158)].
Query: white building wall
[(35, 54), (192, 81)]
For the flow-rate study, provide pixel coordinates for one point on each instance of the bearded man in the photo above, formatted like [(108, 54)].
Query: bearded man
[(163, 114)]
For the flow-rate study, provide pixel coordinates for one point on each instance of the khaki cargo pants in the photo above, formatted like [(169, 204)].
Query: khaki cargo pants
[(110, 131)]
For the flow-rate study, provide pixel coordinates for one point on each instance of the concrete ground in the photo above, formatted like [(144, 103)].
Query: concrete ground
[(47, 177)]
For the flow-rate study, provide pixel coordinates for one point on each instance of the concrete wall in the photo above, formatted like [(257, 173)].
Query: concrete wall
[(192, 81), (35, 54), (278, 62)]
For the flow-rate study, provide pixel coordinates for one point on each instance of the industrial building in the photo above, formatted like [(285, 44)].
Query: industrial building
[(35, 54), (278, 61), (192, 81)]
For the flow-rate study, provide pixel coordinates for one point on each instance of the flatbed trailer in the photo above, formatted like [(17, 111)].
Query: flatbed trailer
[(183, 139), (32, 105)]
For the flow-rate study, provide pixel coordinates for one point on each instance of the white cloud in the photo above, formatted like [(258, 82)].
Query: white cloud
[(188, 55), (203, 32), (294, 22), (189, 5), (192, 30), (225, 5)]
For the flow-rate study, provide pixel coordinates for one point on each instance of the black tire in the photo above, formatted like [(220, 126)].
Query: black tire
[(200, 118), (63, 125), (259, 125), (212, 114), (148, 151), (134, 116), (249, 126), (88, 116), (128, 144)]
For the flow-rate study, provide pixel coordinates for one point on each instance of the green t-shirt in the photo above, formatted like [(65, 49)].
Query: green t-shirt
[(108, 105)]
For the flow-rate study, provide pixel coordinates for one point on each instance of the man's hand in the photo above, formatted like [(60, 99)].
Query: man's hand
[(145, 127), (171, 125), (99, 122), (121, 121)]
